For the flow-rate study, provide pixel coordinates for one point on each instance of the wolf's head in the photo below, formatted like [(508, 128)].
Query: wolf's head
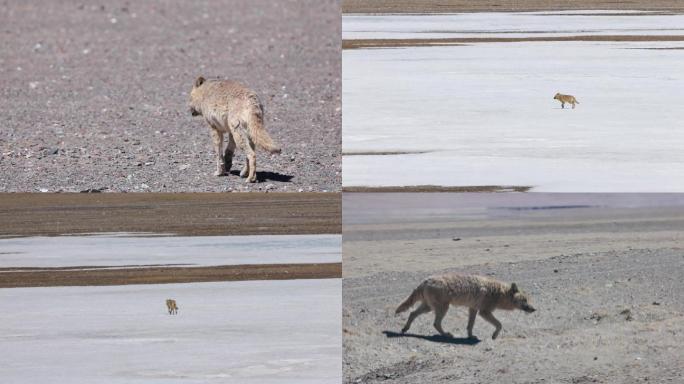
[(195, 109), (519, 299), (557, 97)]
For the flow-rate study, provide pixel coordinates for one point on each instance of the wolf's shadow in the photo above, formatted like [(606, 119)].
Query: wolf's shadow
[(266, 176), (436, 338)]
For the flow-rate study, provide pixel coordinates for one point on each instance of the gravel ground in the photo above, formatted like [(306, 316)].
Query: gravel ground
[(94, 95), (605, 273)]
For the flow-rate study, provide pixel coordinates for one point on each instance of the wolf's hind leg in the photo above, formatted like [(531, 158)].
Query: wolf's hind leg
[(247, 145), (251, 159), (217, 139), (493, 321), (424, 308), (230, 151), (472, 314), (440, 312)]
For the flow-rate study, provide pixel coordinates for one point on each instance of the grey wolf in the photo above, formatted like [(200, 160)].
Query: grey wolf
[(233, 110), (171, 306), (566, 99), (480, 294)]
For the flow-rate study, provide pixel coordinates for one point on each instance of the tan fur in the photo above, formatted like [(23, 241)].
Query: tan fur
[(232, 109), (171, 306), (480, 294), (566, 99)]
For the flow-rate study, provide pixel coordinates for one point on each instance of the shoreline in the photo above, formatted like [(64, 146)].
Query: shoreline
[(59, 277), (459, 41), (186, 214), (465, 6)]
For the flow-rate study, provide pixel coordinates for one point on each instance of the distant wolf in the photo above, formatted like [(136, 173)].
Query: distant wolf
[(566, 99), (171, 306), (232, 109), (480, 294)]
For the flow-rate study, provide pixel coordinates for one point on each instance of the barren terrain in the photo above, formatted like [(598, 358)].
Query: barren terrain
[(94, 95), (603, 271)]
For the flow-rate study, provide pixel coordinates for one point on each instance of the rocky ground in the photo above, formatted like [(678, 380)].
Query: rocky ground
[(609, 307), (94, 95)]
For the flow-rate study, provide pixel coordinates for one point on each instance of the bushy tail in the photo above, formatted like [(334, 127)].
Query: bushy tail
[(576, 101), (416, 295), (258, 133)]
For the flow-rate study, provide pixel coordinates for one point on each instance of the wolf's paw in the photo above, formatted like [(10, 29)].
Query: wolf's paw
[(244, 172), (220, 172), (252, 179)]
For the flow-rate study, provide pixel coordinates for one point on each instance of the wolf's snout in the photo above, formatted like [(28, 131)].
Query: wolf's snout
[(529, 309), (193, 111)]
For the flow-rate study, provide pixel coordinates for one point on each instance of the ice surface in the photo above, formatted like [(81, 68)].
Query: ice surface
[(118, 249), (236, 332), (523, 24), (486, 116)]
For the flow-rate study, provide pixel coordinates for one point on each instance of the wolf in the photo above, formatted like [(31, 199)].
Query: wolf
[(569, 99), (480, 294), (233, 110), (171, 306)]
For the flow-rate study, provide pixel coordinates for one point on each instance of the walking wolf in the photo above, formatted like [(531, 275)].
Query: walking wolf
[(480, 294)]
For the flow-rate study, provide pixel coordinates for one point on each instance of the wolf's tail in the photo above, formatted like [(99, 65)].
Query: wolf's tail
[(258, 133), (576, 101), (416, 295)]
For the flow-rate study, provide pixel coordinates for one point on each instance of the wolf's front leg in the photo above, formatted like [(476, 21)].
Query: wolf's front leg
[(493, 321), (217, 138), (472, 313)]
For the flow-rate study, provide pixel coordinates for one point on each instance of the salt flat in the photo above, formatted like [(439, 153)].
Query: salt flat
[(237, 332), (520, 24), (483, 114), (131, 250)]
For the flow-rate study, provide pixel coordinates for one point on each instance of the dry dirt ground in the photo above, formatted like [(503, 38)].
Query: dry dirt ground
[(605, 274), (398, 43), (94, 94), (189, 214), (117, 275), (434, 6)]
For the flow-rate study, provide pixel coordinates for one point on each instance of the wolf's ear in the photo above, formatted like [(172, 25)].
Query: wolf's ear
[(514, 288), (199, 81)]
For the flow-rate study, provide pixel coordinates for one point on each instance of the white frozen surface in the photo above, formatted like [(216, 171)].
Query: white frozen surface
[(125, 249), (237, 332), (486, 115), (523, 24)]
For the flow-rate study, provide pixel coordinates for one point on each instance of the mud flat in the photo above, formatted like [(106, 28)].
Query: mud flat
[(189, 214), (603, 271), (89, 276)]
